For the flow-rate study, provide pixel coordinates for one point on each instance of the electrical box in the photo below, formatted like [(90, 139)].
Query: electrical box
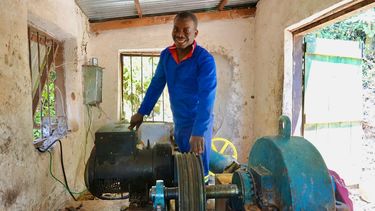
[(92, 84)]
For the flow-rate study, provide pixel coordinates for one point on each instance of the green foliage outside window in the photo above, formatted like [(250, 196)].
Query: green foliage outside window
[(137, 76), (358, 28), (48, 105)]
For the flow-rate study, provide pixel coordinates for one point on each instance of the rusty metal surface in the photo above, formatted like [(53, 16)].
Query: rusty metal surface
[(221, 191), (291, 171)]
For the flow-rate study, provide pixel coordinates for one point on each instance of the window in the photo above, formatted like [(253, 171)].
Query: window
[(48, 90), (137, 72)]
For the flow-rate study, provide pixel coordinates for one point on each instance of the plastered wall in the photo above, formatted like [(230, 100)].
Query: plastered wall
[(272, 18), (25, 183), (231, 43), (250, 57)]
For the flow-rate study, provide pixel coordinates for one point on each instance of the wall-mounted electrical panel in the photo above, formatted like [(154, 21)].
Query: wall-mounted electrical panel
[(92, 84)]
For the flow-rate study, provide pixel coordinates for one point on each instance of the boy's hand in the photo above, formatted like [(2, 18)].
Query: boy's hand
[(197, 144), (135, 121)]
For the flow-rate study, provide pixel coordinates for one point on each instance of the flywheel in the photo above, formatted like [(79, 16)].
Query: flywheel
[(191, 188)]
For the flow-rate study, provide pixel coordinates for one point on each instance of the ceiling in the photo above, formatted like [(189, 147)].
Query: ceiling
[(103, 10)]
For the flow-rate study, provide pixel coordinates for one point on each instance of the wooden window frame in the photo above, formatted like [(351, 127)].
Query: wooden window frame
[(52, 59)]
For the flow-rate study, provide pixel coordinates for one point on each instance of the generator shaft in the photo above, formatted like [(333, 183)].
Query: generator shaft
[(212, 191), (221, 191)]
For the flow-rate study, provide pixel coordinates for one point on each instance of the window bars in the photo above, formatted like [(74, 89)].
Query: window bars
[(137, 70), (43, 51)]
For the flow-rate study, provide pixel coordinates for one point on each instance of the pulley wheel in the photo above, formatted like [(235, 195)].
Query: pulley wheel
[(191, 188)]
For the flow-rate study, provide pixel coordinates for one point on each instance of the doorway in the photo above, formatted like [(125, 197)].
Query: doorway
[(338, 100)]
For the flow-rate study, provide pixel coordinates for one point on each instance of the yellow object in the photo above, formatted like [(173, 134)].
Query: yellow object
[(226, 144)]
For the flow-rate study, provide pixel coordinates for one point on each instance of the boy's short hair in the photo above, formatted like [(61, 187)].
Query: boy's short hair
[(184, 15)]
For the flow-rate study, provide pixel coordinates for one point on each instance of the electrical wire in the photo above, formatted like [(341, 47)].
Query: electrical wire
[(64, 116), (63, 170), (50, 170), (49, 146), (54, 177), (102, 112), (90, 116), (66, 185)]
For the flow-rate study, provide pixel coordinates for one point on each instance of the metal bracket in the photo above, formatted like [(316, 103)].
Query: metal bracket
[(157, 195)]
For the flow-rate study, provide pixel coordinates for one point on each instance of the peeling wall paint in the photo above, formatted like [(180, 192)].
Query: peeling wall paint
[(25, 183), (230, 41), (236, 46)]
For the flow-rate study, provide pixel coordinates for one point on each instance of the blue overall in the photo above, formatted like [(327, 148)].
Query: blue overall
[(191, 86)]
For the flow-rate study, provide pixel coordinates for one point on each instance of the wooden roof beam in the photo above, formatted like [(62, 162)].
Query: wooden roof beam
[(138, 7), (155, 20), (222, 5)]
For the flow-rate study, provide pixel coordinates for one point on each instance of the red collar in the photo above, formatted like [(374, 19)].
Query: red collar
[(173, 51)]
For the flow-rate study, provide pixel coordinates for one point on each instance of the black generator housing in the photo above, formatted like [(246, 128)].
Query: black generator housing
[(120, 165)]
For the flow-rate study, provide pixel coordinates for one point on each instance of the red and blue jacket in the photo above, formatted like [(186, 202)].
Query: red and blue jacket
[(191, 84)]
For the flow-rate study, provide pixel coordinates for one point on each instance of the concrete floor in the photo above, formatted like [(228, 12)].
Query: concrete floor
[(112, 205), (97, 205)]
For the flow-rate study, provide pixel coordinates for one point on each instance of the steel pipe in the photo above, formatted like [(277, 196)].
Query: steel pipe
[(212, 191), (221, 191)]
